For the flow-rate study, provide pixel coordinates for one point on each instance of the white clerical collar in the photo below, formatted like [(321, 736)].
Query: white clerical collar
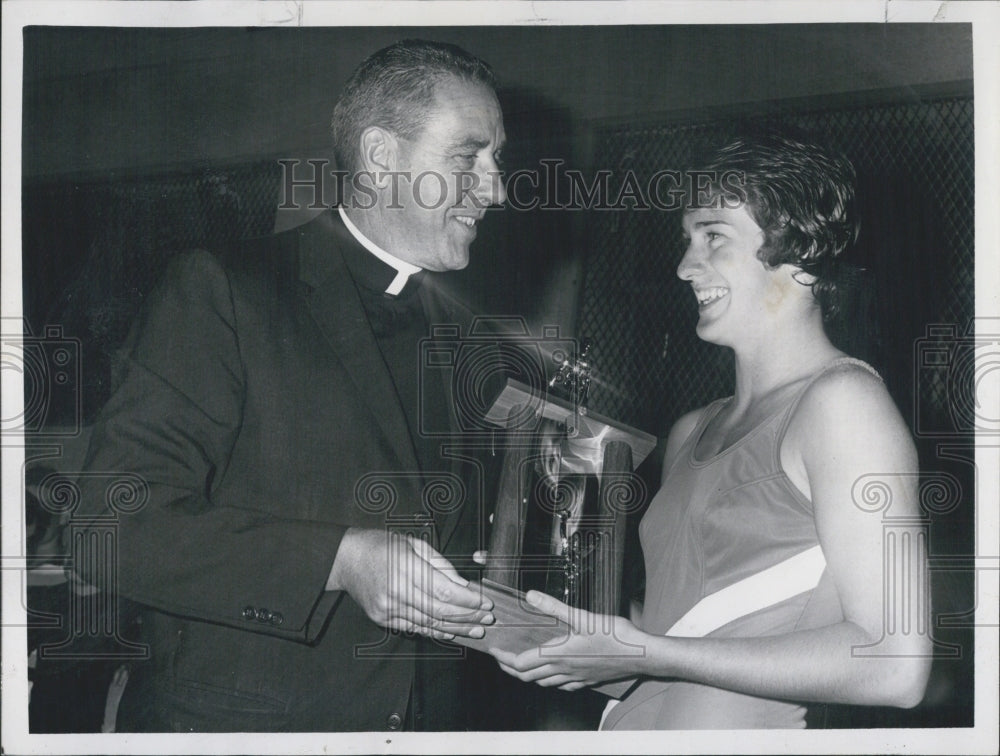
[(403, 269)]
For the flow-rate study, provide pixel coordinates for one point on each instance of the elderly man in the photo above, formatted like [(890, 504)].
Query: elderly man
[(270, 406)]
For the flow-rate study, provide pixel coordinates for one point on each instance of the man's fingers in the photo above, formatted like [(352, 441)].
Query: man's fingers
[(441, 564), (437, 560), (411, 627), (450, 592), (445, 583), (447, 601), (442, 618), (446, 591), (434, 614), (468, 629)]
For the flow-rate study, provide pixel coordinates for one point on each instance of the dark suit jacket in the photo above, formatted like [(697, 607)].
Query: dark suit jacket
[(255, 402)]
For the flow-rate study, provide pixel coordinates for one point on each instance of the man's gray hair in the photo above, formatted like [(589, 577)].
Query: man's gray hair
[(394, 89)]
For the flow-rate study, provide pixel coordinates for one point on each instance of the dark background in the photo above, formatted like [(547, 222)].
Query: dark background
[(138, 143)]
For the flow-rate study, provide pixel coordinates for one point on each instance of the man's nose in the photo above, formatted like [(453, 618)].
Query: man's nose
[(492, 189), (501, 190)]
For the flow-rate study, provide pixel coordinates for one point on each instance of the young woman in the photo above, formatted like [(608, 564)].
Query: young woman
[(771, 581)]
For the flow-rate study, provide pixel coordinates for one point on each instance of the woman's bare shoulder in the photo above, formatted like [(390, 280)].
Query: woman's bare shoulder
[(848, 411)]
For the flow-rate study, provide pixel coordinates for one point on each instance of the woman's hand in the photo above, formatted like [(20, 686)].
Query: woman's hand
[(599, 648)]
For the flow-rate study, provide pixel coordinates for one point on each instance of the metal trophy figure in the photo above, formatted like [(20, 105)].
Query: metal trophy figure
[(572, 380)]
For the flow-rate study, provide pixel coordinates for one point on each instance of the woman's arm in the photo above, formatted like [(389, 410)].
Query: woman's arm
[(846, 432)]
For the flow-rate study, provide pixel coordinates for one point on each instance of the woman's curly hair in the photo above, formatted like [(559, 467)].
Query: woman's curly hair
[(802, 197)]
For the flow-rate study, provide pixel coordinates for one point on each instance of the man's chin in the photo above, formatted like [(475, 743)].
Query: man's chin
[(456, 261)]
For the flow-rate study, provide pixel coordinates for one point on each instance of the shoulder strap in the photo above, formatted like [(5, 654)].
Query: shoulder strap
[(686, 449)]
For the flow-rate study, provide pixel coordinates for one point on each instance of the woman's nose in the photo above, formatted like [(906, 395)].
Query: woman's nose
[(689, 264)]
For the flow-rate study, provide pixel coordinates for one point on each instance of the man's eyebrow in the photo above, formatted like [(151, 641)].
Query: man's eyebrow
[(471, 144)]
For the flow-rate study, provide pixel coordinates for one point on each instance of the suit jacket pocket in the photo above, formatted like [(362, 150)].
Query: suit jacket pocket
[(194, 706)]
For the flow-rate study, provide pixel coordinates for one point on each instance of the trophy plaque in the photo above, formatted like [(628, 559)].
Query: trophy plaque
[(566, 486)]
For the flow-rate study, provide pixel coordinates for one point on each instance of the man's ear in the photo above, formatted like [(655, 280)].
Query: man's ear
[(379, 149)]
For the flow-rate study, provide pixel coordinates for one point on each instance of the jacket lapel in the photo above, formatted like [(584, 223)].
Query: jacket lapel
[(443, 309), (336, 308)]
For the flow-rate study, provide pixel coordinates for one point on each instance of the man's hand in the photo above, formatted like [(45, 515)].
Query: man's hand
[(402, 583)]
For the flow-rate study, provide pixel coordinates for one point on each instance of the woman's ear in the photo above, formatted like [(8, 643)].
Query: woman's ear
[(800, 276)]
